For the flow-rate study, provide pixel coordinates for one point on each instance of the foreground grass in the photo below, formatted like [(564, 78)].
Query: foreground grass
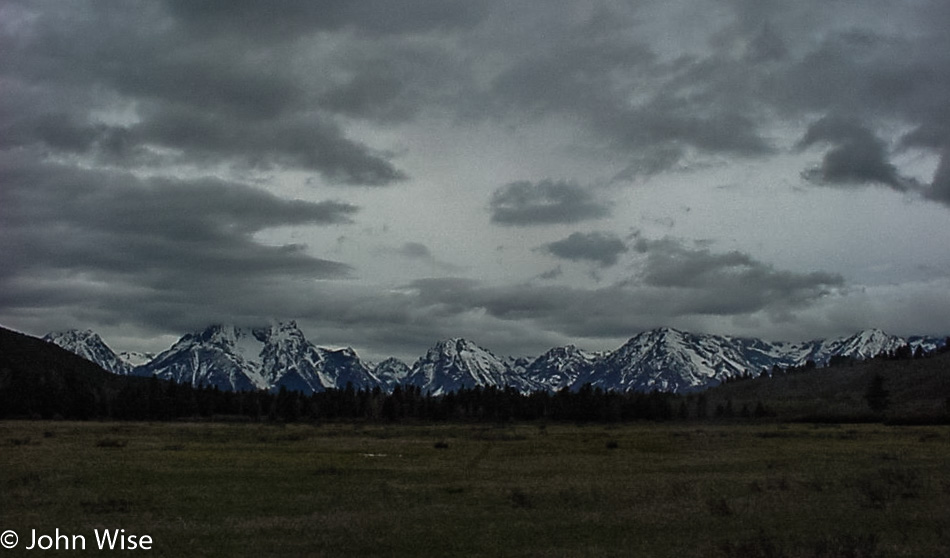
[(471, 490)]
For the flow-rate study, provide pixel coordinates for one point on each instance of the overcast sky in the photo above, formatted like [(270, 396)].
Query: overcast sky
[(524, 174)]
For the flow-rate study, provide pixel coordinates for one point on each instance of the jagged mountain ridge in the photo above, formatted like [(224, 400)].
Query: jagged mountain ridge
[(862, 345), (268, 358), (91, 347), (392, 372), (666, 359), (561, 367), (456, 363), (221, 356)]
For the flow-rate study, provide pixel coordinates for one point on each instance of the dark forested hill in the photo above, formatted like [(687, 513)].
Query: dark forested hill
[(40, 379), (916, 389)]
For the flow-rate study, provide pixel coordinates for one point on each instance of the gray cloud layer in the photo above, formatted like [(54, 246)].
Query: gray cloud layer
[(729, 283), (857, 156), (601, 248), (198, 99), (250, 19), (131, 132), (93, 238), (547, 202), (674, 281)]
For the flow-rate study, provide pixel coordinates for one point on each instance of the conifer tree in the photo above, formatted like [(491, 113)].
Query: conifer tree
[(877, 396)]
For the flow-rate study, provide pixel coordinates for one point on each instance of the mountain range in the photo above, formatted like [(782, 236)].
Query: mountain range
[(279, 356)]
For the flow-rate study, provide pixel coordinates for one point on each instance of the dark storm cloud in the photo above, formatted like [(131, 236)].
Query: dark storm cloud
[(861, 70), (632, 89), (415, 250), (304, 142), (394, 83), (652, 161), (670, 122), (857, 155), (197, 99), (551, 274), (766, 46), (728, 283), (601, 248), (877, 73), (289, 18), (933, 134), (526, 203), (676, 283), (109, 49), (98, 239), (587, 65), (771, 62), (592, 72), (940, 189)]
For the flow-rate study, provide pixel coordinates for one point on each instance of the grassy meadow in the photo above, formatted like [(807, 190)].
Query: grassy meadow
[(218, 489)]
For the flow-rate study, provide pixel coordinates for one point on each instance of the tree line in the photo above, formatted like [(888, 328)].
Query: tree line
[(37, 381), (151, 399)]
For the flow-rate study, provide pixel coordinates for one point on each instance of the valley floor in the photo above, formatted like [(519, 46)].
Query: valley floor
[(474, 490)]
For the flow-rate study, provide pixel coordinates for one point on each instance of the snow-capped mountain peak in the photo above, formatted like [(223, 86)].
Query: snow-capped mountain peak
[(273, 357), (667, 359), (862, 345), (561, 367), (870, 343), (392, 372), (90, 346), (456, 363)]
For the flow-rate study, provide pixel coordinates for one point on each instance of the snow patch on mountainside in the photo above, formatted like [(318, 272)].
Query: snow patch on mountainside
[(135, 358)]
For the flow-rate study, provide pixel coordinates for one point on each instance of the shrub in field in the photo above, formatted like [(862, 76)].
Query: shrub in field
[(837, 546), (877, 397), (890, 484), (762, 546), (29, 479), (106, 506), (719, 507), (520, 499), (847, 546)]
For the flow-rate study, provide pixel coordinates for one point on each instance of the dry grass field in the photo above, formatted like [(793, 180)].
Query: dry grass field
[(769, 490)]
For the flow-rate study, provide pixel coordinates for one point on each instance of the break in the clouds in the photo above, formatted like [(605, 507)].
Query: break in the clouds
[(546, 202), (393, 172)]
